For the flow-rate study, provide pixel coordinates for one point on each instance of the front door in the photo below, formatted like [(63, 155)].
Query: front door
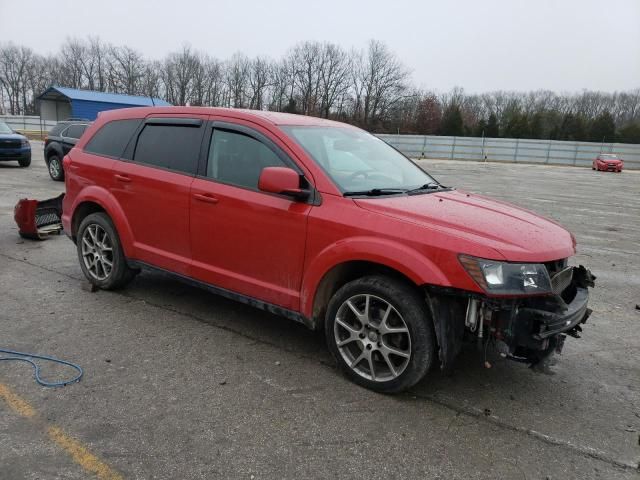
[(242, 239)]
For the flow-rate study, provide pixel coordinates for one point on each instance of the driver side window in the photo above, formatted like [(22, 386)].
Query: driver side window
[(238, 159)]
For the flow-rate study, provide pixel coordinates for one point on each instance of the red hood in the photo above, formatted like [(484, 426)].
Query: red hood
[(515, 233)]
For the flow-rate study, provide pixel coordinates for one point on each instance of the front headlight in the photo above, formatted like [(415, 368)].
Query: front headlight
[(25, 143), (503, 278)]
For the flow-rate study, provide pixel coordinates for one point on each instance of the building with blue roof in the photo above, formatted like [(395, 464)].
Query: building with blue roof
[(61, 103)]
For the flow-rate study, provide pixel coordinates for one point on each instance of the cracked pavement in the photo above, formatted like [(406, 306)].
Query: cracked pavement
[(180, 383)]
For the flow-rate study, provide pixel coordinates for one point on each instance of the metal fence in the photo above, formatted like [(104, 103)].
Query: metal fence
[(552, 152), (29, 125)]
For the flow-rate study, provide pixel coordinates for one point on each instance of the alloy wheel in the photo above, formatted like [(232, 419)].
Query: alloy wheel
[(97, 252), (372, 338), (54, 167)]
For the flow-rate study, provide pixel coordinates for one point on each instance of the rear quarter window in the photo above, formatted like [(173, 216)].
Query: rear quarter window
[(113, 137)]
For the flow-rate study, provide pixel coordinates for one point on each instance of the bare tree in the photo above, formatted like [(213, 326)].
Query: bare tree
[(236, 80), (14, 64), (382, 80), (334, 76), (178, 73), (259, 78), (369, 87)]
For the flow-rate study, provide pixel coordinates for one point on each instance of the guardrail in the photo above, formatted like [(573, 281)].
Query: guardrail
[(31, 126), (551, 152)]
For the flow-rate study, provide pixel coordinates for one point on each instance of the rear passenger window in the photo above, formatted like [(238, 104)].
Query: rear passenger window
[(238, 159), (75, 131), (112, 138), (175, 147), (55, 131)]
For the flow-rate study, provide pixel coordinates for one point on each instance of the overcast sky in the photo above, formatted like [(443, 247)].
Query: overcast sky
[(480, 45)]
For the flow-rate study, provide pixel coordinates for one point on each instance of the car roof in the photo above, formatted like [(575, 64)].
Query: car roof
[(258, 116)]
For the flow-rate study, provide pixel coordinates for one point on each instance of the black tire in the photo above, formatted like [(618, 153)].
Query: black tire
[(410, 308), (54, 165), (120, 273), (24, 162)]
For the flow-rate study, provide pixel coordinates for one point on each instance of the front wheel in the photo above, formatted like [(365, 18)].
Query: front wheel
[(24, 162), (100, 253), (380, 333)]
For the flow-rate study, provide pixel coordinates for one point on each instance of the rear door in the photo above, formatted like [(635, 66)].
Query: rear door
[(245, 240), (153, 188)]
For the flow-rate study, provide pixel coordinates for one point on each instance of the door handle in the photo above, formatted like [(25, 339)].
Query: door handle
[(122, 178), (205, 198)]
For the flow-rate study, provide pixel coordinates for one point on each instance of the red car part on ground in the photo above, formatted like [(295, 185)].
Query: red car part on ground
[(39, 219)]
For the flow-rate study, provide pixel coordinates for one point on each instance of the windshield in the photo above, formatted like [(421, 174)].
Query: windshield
[(358, 161), (4, 128), (609, 157)]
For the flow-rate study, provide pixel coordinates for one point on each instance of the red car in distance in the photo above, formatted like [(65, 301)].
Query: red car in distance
[(327, 225), (608, 162)]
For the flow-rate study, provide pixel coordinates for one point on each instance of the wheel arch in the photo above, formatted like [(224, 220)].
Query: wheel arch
[(94, 200), (53, 150), (348, 260)]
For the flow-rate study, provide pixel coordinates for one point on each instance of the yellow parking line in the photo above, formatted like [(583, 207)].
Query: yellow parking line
[(78, 452), (15, 403), (81, 455)]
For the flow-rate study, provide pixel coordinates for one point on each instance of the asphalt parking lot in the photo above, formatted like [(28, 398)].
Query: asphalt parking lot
[(180, 383)]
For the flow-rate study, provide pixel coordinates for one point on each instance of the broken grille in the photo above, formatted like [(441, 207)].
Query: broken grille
[(46, 217)]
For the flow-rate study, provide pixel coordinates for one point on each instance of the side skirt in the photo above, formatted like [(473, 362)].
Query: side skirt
[(223, 292)]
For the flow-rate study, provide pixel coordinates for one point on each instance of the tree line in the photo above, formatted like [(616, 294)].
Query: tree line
[(368, 87)]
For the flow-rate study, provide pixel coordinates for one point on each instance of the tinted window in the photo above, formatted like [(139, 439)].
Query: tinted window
[(239, 159), (55, 131), (112, 138), (169, 146), (75, 131)]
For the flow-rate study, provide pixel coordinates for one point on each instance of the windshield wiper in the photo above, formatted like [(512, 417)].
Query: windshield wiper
[(374, 192), (427, 188)]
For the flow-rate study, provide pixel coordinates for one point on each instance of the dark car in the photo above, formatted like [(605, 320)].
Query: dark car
[(57, 144), (14, 146)]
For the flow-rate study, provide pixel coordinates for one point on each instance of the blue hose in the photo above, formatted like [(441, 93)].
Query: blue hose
[(27, 357)]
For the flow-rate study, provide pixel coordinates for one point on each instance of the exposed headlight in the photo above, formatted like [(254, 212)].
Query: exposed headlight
[(25, 143), (503, 278)]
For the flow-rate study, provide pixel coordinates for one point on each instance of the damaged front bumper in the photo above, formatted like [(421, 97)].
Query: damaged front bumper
[(526, 329), (531, 329)]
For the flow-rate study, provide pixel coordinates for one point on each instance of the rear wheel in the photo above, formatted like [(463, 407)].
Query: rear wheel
[(100, 253), (380, 333), (56, 172)]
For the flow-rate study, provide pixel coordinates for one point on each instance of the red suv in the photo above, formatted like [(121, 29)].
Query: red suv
[(327, 225)]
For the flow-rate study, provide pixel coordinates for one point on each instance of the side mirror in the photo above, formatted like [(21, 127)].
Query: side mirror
[(282, 180)]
